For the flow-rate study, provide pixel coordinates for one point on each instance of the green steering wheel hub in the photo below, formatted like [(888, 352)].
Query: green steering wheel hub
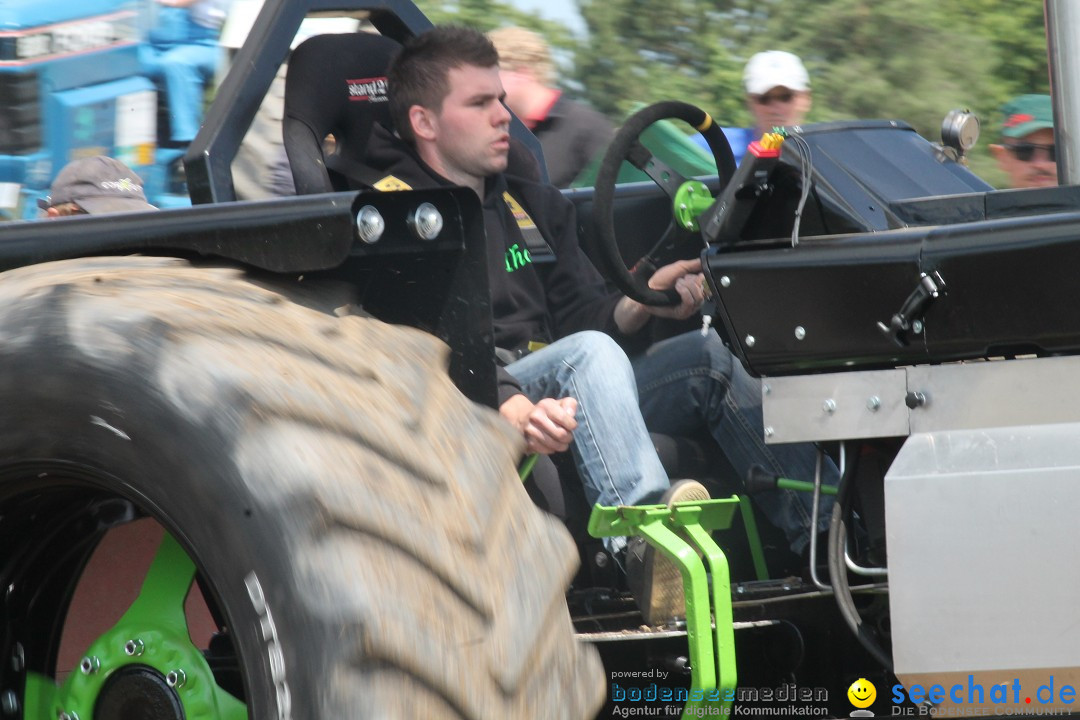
[(691, 199)]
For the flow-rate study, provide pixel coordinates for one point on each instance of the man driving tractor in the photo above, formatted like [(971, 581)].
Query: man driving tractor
[(570, 385)]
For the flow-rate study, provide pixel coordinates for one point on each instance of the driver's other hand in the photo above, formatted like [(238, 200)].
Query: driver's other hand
[(547, 426), (687, 279)]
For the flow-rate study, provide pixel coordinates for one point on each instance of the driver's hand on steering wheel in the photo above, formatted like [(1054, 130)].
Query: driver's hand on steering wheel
[(688, 280)]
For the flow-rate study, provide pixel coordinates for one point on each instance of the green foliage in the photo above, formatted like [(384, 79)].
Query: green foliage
[(897, 60), (912, 60), (487, 15), (1016, 31), (641, 51)]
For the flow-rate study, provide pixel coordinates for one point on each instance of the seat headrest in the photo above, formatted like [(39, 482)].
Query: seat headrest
[(335, 85)]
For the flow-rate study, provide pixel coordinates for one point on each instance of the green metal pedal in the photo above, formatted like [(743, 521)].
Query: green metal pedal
[(709, 628)]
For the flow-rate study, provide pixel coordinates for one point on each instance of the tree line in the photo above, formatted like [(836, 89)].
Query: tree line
[(912, 60)]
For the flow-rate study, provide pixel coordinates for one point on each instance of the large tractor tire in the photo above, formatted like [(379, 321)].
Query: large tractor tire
[(354, 523)]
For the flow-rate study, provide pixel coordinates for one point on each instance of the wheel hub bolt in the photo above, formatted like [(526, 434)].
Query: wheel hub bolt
[(90, 665), (176, 678), (134, 647)]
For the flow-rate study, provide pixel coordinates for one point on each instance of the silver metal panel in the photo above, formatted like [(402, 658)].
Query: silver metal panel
[(835, 406), (646, 633), (1063, 47), (999, 393), (983, 543)]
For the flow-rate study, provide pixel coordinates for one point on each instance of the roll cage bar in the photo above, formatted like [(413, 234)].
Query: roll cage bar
[(209, 158)]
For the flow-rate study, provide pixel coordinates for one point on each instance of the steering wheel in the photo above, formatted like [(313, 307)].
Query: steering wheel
[(681, 231)]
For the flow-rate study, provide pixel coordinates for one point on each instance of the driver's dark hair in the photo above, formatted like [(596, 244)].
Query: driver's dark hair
[(419, 73)]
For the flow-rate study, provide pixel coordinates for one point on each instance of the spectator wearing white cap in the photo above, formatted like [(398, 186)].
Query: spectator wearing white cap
[(777, 90), (777, 94)]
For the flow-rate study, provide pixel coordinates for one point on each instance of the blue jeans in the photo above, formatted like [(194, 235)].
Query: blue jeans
[(691, 383), (611, 447), (186, 56), (680, 386)]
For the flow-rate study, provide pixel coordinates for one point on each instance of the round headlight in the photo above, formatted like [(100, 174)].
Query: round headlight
[(426, 222), (960, 130), (369, 224)]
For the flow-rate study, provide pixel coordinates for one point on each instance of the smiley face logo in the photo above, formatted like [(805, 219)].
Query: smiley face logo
[(862, 693)]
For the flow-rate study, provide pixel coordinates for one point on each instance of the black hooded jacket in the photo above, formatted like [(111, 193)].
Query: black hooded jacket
[(531, 301)]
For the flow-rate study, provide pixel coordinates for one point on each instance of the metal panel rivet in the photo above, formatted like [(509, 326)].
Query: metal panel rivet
[(915, 399), (725, 281), (800, 332), (829, 406), (750, 341)]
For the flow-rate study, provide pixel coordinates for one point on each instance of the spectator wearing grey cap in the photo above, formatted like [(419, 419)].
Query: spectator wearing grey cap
[(95, 186)]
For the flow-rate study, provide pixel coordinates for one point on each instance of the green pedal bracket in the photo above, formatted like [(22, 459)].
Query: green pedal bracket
[(681, 533)]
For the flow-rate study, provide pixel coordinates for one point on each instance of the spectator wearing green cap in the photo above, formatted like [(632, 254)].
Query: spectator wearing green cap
[(1026, 152)]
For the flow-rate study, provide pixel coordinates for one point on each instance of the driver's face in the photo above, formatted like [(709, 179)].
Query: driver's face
[(472, 128), (779, 107)]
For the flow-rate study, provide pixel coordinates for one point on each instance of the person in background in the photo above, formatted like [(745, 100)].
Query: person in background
[(570, 133), (1026, 149), (183, 51), (94, 186), (777, 94)]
